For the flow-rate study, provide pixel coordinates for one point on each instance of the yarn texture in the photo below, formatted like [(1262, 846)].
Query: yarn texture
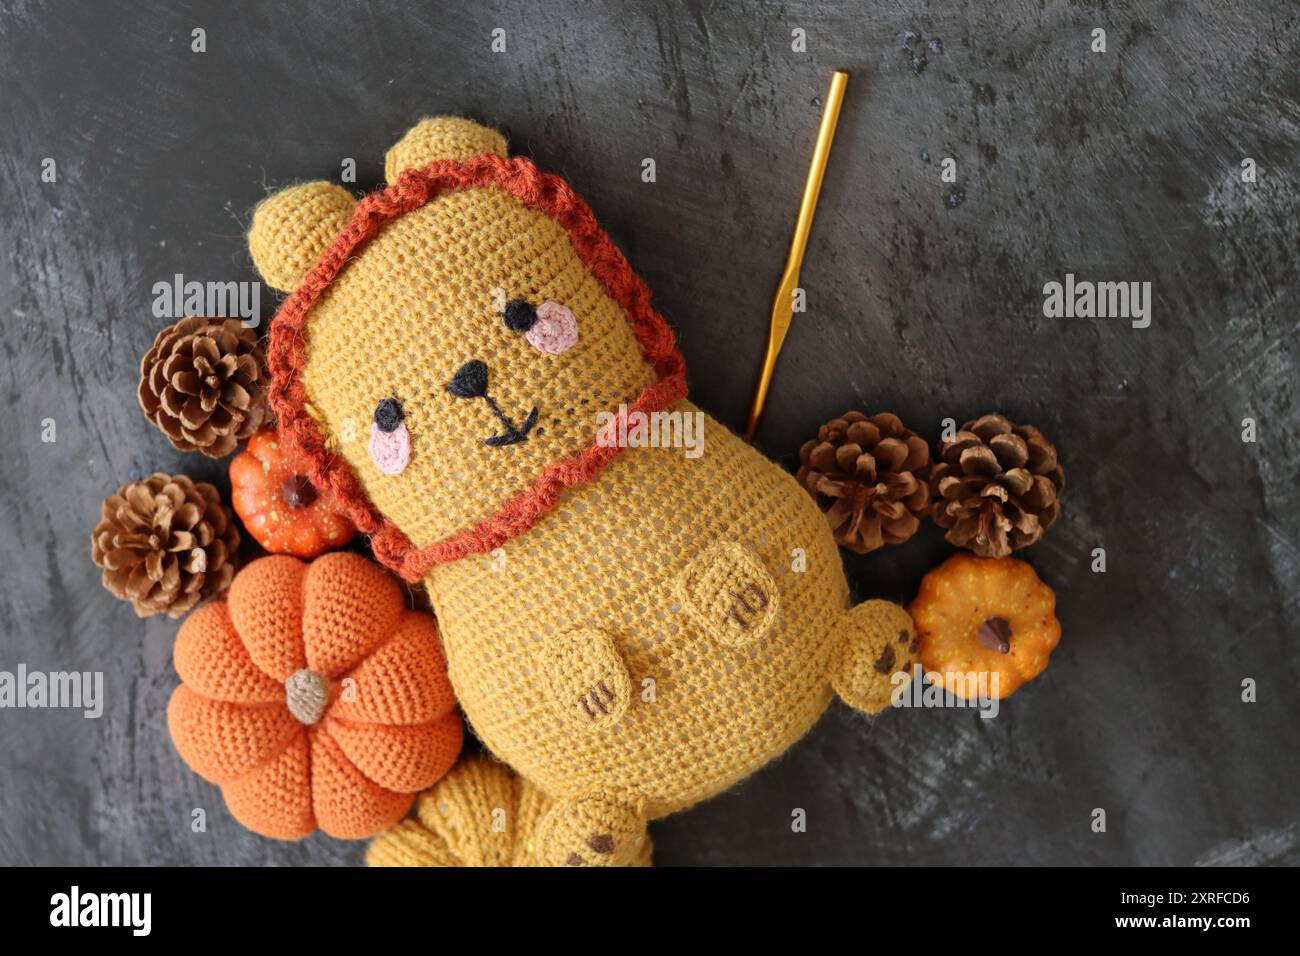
[(304, 218), (480, 814), (632, 630)]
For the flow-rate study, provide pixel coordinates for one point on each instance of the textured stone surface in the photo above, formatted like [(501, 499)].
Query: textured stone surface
[(924, 299)]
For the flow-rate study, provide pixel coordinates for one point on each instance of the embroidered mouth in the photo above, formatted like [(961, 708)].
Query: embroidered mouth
[(512, 435), (471, 381)]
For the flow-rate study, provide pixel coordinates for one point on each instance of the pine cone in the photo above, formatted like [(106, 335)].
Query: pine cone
[(165, 543), (868, 476), (203, 382), (997, 486)]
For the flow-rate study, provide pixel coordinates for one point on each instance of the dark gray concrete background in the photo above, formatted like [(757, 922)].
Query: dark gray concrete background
[(1116, 166)]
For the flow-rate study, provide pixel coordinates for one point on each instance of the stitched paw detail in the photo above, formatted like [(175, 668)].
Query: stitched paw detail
[(594, 830), (599, 701), (879, 641), (588, 683), (729, 595), (602, 844)]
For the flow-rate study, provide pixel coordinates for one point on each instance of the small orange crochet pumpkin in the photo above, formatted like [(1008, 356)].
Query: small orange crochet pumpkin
[(314, 698)]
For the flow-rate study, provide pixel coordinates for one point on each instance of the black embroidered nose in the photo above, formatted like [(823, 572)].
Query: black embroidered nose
[(520, 316), (470, 380), (388, 415)]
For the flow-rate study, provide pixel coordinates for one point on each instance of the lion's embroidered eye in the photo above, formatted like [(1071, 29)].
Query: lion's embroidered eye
[(520, 316), (390, 442), (549, 328), (388, 415)]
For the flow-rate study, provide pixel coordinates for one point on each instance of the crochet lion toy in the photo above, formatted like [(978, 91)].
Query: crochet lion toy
[(471, 368)]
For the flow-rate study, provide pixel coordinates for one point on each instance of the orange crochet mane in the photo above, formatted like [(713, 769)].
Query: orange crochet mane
[(287, 354)]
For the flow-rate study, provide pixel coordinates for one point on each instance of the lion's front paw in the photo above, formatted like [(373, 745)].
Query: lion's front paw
[(878, 642), (593, 830)]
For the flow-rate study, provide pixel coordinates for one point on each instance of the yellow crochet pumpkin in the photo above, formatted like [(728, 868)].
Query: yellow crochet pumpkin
[(472, 369)]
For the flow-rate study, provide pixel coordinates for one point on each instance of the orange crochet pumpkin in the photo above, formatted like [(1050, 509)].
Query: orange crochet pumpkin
[(314, 698)]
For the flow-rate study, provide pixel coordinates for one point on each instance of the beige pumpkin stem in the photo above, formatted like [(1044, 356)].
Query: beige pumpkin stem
[(307, 695)]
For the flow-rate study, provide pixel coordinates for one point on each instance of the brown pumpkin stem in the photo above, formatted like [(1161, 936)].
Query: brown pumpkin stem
[(297, 492), (307, 694), (995, 634)]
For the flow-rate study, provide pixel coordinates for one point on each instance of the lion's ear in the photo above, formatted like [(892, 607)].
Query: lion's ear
[(441, 137), (292, 229)]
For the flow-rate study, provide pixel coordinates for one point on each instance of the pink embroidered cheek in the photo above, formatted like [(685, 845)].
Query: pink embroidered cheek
[(390, 451), (555, 331)]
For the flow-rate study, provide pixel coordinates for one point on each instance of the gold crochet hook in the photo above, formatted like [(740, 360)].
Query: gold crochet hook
[(783, 304)]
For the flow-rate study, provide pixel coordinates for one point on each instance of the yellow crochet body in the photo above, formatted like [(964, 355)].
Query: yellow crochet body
[(698, 703), (670, 624)]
